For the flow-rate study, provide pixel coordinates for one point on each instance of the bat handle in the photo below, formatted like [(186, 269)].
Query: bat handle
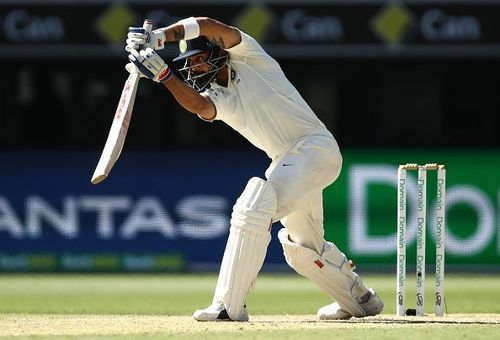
[(148, 25)]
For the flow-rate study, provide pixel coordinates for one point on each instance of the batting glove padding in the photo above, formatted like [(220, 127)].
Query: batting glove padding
[(150, 64), (137, 37), (132, 69)]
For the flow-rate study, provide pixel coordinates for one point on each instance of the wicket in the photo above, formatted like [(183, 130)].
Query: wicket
[(421, 231)]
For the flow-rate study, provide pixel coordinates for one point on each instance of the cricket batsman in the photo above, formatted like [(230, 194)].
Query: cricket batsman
[(227, 76)]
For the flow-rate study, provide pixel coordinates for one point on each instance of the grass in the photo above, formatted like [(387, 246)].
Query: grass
[(281, 306)]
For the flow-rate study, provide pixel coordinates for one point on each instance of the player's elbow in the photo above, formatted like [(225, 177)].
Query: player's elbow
[(204, 108), (207, 23), (221, 34)]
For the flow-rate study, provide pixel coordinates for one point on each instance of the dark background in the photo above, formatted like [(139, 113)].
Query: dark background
[(385, 99), (366, 103)]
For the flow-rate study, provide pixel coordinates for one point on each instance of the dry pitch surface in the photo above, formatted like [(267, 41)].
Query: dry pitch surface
[(122, 326), (159, 307)]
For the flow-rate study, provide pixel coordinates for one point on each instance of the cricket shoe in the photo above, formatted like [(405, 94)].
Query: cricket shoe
[(218, 312), (370, 303)]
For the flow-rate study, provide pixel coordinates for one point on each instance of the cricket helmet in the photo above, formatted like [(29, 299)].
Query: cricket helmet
[(216, 59)]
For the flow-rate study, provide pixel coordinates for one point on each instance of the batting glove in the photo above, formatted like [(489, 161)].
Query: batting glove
[(150, 64), (138, 38)]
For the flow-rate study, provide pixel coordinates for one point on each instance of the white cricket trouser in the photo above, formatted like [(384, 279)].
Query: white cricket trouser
[(298, 178)]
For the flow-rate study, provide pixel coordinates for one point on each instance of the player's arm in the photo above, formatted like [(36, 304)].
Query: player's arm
[(190, 99), (151, 65), (215, 31)]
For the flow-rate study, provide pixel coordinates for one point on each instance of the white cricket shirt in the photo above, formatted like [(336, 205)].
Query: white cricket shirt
[(261, 103)]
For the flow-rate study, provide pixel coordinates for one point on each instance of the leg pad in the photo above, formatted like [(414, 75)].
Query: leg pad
[(246, 247), (331, 271)]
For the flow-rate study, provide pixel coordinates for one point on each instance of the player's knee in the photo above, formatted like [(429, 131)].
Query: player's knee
[(336, 166), (300, 258), (255, 207), (304, 259)]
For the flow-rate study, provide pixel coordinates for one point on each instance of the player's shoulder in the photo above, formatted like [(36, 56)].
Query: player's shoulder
[(247, 44)]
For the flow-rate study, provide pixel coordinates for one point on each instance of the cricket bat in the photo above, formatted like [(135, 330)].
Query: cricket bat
[(119, 127)]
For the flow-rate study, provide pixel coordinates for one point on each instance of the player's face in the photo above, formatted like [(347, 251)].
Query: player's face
[(199, 63), (200, 69)]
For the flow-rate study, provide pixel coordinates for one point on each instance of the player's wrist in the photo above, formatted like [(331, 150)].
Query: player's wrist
[(165, 75)]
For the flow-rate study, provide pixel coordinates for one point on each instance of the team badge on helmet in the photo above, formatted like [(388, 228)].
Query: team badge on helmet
[(183, 46)]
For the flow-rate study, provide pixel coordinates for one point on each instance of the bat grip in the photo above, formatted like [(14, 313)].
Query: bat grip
[(148, 26)]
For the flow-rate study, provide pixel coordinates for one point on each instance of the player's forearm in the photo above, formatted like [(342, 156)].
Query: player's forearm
[(189, 99), (216, 32), (174, 32)]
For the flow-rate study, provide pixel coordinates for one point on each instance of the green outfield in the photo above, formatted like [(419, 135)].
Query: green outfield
[(281, 306)]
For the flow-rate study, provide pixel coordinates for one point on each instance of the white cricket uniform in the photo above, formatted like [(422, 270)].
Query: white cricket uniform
[(263, 106)]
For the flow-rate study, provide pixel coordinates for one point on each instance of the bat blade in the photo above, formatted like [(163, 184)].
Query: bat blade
[(118, 132)]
